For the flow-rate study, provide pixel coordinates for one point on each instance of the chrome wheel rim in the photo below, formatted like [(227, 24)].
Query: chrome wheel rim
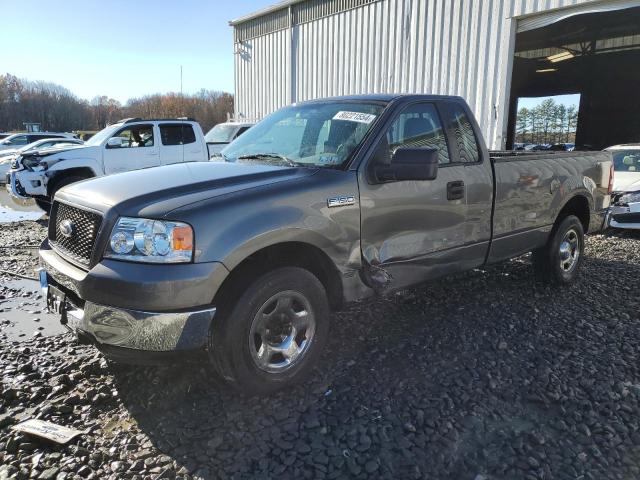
[(569, 250), (282, 332)]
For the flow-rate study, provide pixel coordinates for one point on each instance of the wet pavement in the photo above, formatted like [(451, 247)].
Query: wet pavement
[(22, 312), (14, 211)]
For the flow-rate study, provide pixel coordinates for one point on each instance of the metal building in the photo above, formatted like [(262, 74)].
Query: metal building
[(303, 49)]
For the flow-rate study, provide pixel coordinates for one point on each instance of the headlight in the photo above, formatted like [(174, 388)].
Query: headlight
[(630, 197), (31, 161), (151, 241)]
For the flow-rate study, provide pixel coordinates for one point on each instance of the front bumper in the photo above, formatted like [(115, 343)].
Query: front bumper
[(26, 185), (625, 216), (167, 313), (13, 186)]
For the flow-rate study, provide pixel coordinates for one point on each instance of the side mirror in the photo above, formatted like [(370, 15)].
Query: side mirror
[(114, 142), (410, 164)]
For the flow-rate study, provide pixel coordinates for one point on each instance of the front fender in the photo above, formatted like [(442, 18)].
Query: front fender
[(231, 227), (57, 165)]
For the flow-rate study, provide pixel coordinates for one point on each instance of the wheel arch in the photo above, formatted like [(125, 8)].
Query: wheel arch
[(56, 176), (578, 205), (294, 253)]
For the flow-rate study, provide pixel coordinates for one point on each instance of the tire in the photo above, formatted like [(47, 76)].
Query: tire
[(63, 182), (560, 260), (243, 337), (43, 204)]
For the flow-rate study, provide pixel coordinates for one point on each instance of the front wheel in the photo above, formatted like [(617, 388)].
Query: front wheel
[(62, 182), (560, 260), (273, 334)]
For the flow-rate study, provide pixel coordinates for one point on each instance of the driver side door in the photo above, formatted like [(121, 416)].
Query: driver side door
[(137, 148), (412, 230)]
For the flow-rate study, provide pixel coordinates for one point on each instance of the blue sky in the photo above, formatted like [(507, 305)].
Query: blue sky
[(532, 102), (122, 48)]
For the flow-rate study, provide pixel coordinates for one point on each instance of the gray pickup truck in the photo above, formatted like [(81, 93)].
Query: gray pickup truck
[(320, 204)]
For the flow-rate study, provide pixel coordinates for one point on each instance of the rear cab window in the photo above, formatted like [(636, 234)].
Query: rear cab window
[(462, 137), (176, 134)]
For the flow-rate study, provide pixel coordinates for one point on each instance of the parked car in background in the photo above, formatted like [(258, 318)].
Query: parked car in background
[(17, 140), (625, 209), (320, 204), (39, 145), (9, 156), (4, 135), (129, 144), (223, 134), (562, 147)]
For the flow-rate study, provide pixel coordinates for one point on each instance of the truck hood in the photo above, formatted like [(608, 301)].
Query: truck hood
[(626, 181), (56, 154), (155, 192)]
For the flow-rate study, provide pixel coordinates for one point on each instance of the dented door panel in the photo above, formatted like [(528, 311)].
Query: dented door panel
[(404, 223)]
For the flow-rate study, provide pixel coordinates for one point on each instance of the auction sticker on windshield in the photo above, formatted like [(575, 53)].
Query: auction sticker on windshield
[(354, 117)]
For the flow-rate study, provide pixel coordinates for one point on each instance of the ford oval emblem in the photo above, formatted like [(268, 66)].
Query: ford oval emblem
[(67, 228)]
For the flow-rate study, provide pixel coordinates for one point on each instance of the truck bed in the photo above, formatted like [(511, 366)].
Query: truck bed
[(515, 155), (530, 188)]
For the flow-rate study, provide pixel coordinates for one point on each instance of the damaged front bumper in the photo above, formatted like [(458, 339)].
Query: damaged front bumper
[(26, 184), (625, 216), (125, 333)]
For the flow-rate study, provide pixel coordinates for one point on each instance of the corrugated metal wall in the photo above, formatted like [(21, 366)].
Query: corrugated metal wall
[(453, 47)]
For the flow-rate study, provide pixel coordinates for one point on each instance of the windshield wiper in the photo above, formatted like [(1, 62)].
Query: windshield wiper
[(267, 156)]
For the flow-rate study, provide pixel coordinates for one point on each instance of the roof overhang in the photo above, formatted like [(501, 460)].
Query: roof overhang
[(264, 11)]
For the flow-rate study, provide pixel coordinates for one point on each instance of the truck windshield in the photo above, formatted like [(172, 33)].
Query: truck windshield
[(102, 135), (221, 133), (314, 134)]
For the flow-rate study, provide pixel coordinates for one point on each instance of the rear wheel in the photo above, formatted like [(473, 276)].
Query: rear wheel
[(273, 334), (560, 260)]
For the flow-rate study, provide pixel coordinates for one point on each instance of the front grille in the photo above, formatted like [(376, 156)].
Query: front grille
[(77, 245)]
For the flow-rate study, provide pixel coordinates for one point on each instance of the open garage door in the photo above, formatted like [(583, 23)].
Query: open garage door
[(589, 54), (549, 18)]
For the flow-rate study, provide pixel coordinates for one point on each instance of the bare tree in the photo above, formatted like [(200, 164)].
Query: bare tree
[(56, 108)]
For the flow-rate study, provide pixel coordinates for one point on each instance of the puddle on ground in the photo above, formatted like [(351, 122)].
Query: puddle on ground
[(12, 210), (23, 313)]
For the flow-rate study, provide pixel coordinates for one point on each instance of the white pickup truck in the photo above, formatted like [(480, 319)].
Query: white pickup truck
[(129, 144)]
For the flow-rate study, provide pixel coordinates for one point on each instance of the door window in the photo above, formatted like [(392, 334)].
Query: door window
[(35, 138), (134, 137), (177, 134), (464, 137), (19, 140), (418, 126)]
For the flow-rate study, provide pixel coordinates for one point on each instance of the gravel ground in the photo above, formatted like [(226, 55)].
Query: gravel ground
[(485, 375)]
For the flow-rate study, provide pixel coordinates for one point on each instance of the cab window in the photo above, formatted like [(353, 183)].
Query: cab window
[(19, 140), (177, 134), (418, 126), (133, 137), (463, 137)]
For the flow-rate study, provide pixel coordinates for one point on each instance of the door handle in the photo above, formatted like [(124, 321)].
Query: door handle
[(152, 154), (455, 190)]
